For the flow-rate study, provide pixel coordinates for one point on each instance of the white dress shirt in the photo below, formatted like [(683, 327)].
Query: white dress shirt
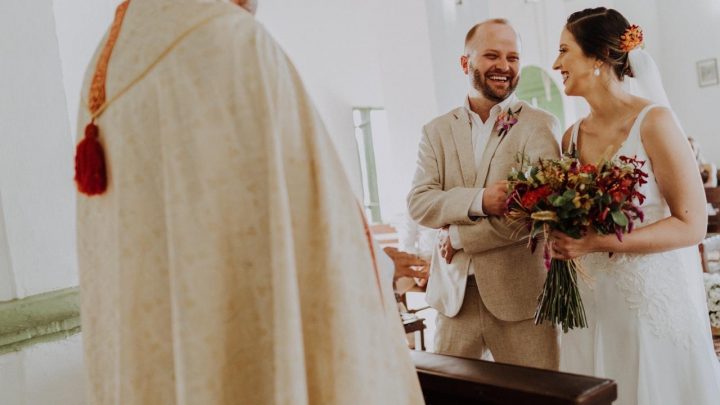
[(481, 132)]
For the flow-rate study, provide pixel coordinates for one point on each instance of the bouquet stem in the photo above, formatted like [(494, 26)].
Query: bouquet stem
[(560, 301)]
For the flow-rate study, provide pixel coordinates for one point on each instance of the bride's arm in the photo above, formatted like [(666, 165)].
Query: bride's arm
[(679, 181)]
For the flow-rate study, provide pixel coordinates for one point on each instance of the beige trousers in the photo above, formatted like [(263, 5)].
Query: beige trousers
[(475, 332)]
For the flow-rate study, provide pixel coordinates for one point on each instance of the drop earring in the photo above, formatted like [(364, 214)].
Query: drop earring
[(596, 72)]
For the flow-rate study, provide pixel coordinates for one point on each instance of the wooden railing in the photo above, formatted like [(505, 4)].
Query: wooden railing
[(712, 195), (453, 380)]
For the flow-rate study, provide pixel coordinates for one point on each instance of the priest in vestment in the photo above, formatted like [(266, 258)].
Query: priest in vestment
[(225, 259)]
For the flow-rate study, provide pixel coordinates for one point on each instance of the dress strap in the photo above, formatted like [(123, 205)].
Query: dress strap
[(641, 117), (572, 147)]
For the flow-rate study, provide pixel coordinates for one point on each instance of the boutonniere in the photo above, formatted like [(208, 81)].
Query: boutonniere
[(506, 120)]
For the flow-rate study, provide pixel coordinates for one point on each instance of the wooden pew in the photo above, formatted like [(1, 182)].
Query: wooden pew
[(712, 194), (453, 380)]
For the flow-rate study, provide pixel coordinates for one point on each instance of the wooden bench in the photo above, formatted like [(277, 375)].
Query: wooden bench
[(712, 195), (454, 380)]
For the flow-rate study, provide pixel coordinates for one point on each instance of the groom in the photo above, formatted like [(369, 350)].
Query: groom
[(484, 281)]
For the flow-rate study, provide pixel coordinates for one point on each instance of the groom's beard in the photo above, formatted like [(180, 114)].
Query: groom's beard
[(481, 83)]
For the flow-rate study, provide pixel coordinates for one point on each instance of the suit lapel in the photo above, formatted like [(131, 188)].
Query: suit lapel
[(487, 156), (462, 136), (489, 152)]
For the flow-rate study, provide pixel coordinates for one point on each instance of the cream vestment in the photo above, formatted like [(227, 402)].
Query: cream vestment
[(227, 263)]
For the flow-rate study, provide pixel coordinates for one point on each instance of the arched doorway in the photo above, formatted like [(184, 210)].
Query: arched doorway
[(538, 88)]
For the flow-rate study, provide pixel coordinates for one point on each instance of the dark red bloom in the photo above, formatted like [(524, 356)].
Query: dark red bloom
[(532, 197)]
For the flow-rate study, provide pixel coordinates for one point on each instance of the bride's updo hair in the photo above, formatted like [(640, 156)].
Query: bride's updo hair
[(598, 31)]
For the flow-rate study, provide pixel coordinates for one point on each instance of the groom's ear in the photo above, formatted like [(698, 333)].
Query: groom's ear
[(464, 63)]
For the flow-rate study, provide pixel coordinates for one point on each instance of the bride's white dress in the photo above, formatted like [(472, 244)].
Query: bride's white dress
[(648, 319)]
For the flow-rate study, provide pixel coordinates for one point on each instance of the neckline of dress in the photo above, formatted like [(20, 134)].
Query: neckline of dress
[(636, 122)]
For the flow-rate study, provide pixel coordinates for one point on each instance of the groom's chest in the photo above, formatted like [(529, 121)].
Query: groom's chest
[(475, 157)]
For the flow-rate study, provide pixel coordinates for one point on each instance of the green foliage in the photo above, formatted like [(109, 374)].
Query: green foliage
[(619, 218)]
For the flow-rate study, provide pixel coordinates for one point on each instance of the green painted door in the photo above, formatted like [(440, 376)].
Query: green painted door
[(537, 88)]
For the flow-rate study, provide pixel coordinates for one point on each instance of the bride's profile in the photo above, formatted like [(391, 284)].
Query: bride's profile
[(648, 320)]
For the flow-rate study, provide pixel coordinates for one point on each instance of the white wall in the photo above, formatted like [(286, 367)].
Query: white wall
[(363, 53), (691, 32), (7, 276), (409, 90), (36, 166), (449, 23), (333, 47), (79, 24), (50, 373), (37, 194)]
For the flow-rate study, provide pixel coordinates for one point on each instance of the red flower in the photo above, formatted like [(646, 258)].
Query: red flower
[(532, 197), (588, 169), (618, 195)]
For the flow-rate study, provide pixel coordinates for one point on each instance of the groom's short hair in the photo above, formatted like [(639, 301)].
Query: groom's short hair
[(471, 33)]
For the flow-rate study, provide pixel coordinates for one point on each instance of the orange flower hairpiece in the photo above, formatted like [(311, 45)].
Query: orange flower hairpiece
[(631, 38)]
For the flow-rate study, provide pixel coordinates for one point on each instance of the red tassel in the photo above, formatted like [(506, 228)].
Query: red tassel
[(90, 172)]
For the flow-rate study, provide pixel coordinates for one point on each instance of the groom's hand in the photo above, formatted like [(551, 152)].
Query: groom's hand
[(494, 198), (447, 251)]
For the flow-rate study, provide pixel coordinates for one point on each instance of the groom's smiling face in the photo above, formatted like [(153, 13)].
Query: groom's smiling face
[(492, 61)]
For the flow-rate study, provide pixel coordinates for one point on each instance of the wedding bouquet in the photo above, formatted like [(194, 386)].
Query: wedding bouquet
[(712, 290), (571, 197)]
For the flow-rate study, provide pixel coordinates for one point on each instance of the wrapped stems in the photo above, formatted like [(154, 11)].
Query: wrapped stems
[(560, 301)]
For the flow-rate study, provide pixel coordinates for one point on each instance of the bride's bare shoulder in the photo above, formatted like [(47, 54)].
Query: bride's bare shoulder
[(661, 135), (659, 122)]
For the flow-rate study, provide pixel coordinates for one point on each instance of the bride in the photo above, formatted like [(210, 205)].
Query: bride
[(648, 319)]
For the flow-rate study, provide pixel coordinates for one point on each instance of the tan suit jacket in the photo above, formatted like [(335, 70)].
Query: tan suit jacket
[(447, 180)]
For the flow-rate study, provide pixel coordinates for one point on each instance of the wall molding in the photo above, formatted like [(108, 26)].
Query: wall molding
[(39, 318)]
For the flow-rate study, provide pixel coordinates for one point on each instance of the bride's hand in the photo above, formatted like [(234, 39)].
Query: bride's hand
[(566, 247)]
